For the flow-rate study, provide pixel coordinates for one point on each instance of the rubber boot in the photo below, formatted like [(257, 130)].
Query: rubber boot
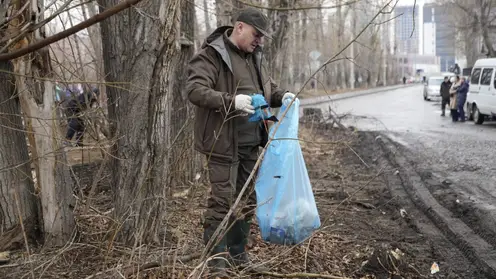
[(237, 239), (218, 265)]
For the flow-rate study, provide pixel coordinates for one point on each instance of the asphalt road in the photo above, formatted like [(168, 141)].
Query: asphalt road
[(461, 155)]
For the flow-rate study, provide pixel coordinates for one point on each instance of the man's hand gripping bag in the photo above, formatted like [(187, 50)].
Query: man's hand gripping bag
[(286, 210)]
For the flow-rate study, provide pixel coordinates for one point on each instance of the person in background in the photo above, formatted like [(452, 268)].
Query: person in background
[(227, 70), (445, 94), (453, 104), (75, 109), (461, 94)]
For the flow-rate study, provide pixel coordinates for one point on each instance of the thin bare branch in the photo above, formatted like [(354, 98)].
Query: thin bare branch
[(269, 8), (63, 34)]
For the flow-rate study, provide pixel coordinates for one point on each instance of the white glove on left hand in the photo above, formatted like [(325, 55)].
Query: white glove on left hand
[(288, 95)]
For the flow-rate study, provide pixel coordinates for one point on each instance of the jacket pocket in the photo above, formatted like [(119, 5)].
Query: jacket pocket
[(217, 136)]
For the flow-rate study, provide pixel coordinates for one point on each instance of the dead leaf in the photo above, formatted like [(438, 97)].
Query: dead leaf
[(4, 257)]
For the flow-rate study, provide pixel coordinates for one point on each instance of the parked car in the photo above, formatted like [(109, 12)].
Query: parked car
[(432, 87), (481, 98)]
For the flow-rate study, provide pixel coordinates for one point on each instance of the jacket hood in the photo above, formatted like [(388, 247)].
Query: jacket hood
[(215, 35)]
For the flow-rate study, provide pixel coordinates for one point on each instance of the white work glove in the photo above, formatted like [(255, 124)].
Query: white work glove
[(243, 103), (288, 95)]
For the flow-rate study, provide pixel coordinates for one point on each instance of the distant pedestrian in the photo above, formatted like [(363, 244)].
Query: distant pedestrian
[(453, 99), (445, 94), (75, 109), (404, 80), (461, 94)]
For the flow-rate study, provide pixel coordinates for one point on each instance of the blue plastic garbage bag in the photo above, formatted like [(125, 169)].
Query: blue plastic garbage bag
[(286, 209), (261, 111)]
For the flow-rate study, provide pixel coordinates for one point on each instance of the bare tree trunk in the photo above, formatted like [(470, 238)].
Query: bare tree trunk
[(206, 14), (237, 5), (485, 10), (77, 44), (296, 45), (352, 47), (37, 98), (341, 16), (321, 44), (374, 61), (96, 42), (479, 15), (99, 116), (184, 161), (302, 54), (471, 44), (334, 67), (16, 182), (385, 43), (279, 43), (224, 10), (52, 170), (143, 45)]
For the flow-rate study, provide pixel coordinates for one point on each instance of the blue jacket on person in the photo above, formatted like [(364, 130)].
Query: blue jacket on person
[(463, 89)]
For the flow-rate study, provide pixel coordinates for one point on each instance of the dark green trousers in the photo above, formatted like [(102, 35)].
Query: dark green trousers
[(226, 180)]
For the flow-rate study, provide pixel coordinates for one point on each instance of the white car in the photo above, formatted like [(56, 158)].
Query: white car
[(432, 88)]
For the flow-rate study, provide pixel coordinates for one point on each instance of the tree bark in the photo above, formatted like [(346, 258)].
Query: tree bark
[(184, 161), (139, 49), (50, 160), (206, 15), (352, 47), (96, 42), (224, 10), (37, 95), (98, 117), (296, 45), (277, 47), (341, 70), (385, 43), (471, 43), (17, 192), (303, 52), (484, 24)]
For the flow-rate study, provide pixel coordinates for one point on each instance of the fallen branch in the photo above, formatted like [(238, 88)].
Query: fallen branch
[(132, 269), (9, 265), (357, 155), (335, 119), (301, 275)]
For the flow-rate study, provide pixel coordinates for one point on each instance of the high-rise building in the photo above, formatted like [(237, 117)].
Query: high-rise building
[(439, 34), (407, 29)]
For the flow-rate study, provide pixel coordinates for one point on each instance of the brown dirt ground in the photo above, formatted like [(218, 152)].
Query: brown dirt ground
[(359, 219)]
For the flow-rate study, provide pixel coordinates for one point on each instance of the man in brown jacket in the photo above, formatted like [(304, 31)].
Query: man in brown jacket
[(228, 69)]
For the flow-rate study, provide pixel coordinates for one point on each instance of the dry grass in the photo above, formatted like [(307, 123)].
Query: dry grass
[(353, 203)]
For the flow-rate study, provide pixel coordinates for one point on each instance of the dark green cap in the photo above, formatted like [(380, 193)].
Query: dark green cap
[(256, 19)]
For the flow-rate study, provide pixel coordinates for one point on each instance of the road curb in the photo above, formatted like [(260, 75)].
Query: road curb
[(341, 96), (476, 249)]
